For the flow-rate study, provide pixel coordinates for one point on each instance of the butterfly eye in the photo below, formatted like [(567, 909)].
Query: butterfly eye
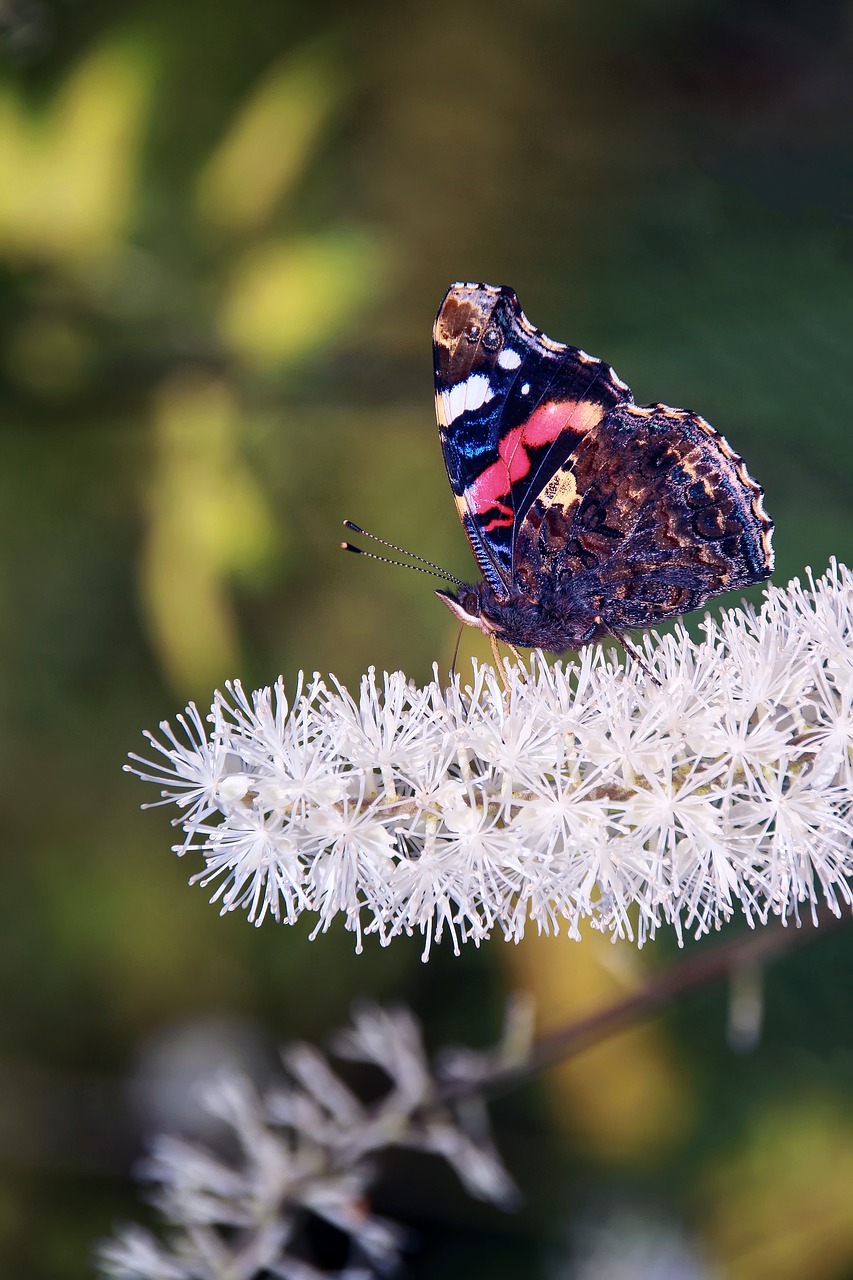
[(471, 332), (492, 338)]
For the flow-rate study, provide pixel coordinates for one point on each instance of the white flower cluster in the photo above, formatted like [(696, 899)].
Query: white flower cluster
[(713, 775), (308, 1149)]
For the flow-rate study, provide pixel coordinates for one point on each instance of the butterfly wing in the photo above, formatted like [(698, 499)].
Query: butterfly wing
[(512, 406), (652, 514)]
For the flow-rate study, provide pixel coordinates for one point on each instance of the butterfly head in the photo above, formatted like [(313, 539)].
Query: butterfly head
[(466, 605), (510, 618)]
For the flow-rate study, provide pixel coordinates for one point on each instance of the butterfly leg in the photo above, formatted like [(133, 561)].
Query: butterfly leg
[(636, 654), (500, 664), (516, 655), (496, 654)]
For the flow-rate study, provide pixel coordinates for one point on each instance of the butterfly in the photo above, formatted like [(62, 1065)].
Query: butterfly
[(588, 515)]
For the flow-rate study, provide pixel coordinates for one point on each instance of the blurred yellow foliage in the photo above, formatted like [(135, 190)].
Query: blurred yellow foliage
[(208, 522), (625, 1099), (270, 144), (288, 297), (782, 1205), (68, 171)]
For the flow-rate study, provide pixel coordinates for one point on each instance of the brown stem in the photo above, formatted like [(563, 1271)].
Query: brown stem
[(661, 990)]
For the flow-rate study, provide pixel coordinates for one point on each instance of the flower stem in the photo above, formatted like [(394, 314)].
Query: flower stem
[(660, 991)]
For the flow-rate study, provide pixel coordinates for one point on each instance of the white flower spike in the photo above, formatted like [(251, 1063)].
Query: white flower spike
[(593, 793)]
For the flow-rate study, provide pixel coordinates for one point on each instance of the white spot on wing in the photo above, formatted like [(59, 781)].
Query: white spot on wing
[(509, 359), (525, 390), (466, 396)]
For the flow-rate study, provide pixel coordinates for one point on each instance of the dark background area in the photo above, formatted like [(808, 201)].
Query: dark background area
[(224, 232)]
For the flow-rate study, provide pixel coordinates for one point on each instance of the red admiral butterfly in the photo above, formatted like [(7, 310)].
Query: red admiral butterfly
[(587, 514)]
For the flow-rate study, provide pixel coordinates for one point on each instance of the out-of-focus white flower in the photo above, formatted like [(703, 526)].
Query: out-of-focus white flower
[(626, 1245), (719, 778), (307, 1148)]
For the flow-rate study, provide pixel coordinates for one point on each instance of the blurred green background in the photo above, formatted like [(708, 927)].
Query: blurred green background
[(224, 232)]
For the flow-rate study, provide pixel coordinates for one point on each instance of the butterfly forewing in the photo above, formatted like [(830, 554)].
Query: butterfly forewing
[(512, 405)]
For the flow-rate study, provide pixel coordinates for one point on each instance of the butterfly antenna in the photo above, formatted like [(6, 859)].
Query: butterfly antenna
[(444, 577), (433, 569)]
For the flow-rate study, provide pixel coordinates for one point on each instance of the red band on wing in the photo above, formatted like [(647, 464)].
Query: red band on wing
[(551, 420), (502, 521), (543, 427)]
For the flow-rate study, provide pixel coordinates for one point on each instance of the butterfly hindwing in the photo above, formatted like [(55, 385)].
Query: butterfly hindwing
[(652, 515)]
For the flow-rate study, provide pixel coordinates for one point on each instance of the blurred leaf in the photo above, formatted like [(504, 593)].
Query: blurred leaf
[(287, 298), (268, 147), (68, 173), (208, 523)]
